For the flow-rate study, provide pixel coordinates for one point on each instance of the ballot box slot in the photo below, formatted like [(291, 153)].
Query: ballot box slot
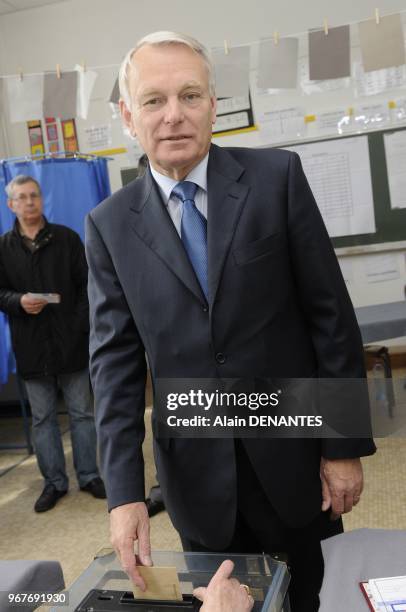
[(189, 603), (116, 601)]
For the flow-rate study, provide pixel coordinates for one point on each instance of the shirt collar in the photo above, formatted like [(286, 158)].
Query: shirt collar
[(19, 230), (197, 175)]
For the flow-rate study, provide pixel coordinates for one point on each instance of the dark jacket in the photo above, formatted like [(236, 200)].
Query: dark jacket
[(278, 308), (56, 340)]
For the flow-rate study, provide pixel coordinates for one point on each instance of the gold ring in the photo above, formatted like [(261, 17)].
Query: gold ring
[(247, 589)]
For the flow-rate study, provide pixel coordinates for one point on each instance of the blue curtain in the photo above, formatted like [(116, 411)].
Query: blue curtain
[(4, 349), (71, 188), (4, 353)]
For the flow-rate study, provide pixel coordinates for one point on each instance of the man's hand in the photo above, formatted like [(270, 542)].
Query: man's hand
[(129, 523), (342, 484), (32, 305), (224, 594)]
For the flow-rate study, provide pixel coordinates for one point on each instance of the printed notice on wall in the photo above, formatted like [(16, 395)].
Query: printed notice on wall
[(98, 137), (395, 151), (382, 268), (283, 124), (347, 269), (339, 175)]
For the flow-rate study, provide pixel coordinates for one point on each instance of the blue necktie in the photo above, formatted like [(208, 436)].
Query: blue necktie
[(193, 231)]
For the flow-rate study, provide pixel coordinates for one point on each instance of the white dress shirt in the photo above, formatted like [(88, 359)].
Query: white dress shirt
[(199, 176)]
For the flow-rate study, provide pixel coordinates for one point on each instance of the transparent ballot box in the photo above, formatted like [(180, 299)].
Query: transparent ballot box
[(104, 587)]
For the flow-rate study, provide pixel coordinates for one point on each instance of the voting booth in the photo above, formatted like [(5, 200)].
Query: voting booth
[(71, 187)]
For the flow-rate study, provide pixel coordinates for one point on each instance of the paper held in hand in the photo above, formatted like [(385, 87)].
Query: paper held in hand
[(162, 583), (51, 298)]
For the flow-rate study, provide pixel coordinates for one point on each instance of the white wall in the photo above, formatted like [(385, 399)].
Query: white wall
[(101, 31)]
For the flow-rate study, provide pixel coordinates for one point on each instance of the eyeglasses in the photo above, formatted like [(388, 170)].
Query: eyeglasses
[(24, 198)]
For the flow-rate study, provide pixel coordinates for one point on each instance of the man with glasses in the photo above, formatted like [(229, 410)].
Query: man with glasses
[(43, 278)]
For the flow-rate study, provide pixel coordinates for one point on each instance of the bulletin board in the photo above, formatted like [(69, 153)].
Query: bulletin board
[(390, 222)]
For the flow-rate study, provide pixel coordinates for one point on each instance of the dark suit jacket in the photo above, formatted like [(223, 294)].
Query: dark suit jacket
[(278, 307)]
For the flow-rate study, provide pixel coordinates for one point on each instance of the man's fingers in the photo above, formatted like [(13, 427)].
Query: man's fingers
[(356, 498), (224, 571), (325, 491), (343, 501), (144, 544), (36, 303), (128, 563), (337, 504), (200, 593), (35, 309), (138, 560), (348, 503), (351, 500)]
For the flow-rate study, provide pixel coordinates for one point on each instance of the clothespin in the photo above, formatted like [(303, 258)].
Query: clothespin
[(226, 49), (276, 37), (325, 22), (20, 73), (58, 71), (377, 16)]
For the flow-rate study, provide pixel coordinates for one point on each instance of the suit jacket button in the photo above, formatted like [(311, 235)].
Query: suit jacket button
[(205, 309), (220, 358)]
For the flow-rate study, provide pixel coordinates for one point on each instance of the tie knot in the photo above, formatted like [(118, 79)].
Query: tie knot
[(185, 190)]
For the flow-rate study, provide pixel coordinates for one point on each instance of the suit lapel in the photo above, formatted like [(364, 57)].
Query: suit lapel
[(152, 223), (226, 197)]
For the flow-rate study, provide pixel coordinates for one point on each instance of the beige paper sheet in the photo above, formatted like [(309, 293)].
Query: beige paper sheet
[(162, 583), (382, 45)]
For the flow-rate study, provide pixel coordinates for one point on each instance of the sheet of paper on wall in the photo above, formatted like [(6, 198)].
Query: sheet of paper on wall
[(25, 97), (278, 64), (86, 81), (398, 113), (233, 121), (333, 122), (395, 152), (339, 175), (98, 137), (233, 105), (347, 269), (115, 93), (60, 95), (232, 71), (281, 125), (381, 268), (329, 54), (382, 45), (134, 149), (322, 86), (369, 116), (377, 81)]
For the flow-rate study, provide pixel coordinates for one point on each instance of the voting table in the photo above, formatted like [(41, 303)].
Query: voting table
[(21, 578), (382, 321), (357, 556), (104, 587)]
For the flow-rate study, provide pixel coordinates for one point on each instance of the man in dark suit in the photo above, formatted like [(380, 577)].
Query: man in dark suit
[(216, 264)]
